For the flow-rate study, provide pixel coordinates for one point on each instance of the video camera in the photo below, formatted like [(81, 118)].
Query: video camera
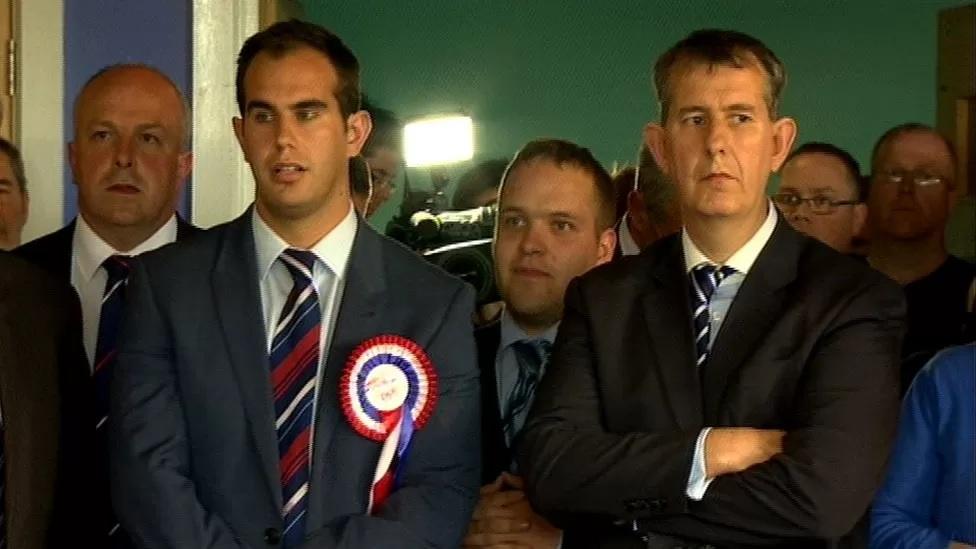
[(457, 241)]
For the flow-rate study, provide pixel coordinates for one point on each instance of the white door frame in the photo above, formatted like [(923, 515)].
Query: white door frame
[(222, 183), (39, 111)]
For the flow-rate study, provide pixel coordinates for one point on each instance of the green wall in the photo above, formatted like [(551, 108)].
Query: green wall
[(581, 69)]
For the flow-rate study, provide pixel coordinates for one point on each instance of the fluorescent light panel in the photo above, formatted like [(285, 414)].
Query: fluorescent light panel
[(438, 140)]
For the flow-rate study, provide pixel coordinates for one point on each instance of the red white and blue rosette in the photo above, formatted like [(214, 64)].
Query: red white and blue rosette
[(388, 391)]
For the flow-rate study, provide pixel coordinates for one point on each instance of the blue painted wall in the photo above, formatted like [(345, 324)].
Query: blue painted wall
[(104, 32)]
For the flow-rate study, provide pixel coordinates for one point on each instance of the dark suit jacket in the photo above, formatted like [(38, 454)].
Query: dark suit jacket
[(46, 417), (52, 252), (810, 345), (194, 448), (496, 456)]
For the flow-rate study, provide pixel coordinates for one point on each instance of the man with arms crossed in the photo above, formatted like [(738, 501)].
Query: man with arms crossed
[(757, 413)]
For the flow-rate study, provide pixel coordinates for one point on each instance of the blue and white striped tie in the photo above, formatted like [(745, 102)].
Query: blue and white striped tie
[(705, 278)]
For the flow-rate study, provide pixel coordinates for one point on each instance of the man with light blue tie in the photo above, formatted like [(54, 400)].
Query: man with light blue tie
[(273, 388), (735, 385), (555, 222)]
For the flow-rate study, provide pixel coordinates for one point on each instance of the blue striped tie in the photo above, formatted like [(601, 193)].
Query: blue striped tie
[(531, 356), (705, 278), (294, 363), (109, 322)]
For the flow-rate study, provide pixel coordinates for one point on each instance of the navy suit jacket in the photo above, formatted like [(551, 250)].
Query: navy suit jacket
[(194, 451)]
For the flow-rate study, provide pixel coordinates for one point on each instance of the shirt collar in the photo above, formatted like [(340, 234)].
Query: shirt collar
[(744, 257), (511, 332), (628, 246), (91, 251), (333, 249)]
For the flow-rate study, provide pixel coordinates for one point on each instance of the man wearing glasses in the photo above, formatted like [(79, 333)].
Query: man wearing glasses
[(909, 199), (820, 195)]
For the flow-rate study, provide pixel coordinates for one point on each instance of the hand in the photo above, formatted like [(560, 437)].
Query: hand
[(733, 449), (960, 545), (503, 518)]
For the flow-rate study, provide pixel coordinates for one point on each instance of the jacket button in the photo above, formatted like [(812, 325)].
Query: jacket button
[(272, 536)]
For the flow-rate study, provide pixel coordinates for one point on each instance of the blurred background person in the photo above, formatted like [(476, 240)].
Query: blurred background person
[(652, 207), (479, 185), (14, 200), (820, 195), (383, 153), (913, 175), (361, 184)]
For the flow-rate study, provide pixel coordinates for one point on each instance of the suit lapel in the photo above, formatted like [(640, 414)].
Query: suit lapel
[(668, 318), (497, 455), (358, 320), (755, 308), (237, 295)]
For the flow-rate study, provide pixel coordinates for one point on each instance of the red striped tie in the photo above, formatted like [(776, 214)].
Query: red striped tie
[(294, 362)]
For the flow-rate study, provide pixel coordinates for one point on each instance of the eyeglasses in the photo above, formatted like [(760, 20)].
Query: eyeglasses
[(819, 204), (919, 179)]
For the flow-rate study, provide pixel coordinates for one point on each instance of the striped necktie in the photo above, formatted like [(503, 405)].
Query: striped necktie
[(531, 356), (110, 319), (294, 362), (705, 278)]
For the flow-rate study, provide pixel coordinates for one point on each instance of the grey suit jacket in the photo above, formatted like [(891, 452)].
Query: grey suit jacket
[(194, 452)]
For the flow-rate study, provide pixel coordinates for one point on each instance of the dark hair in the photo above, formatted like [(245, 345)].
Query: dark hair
[(561, 153), (910, 127), (482, 177), (16, 163), (184, 102), (720, 47), (286, 36), (660, 196), (387, 129), (850, 164)]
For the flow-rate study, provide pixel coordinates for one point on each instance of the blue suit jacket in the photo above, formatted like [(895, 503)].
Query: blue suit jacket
[(194, 452)]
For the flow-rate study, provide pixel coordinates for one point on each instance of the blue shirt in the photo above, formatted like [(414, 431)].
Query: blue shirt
[(929, 496)]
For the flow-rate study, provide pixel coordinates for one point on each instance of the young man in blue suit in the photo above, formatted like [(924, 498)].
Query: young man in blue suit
[(235, 424)]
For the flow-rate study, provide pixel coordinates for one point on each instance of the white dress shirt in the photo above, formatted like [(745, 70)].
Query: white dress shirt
[(719, 304), (328, 276), (88, 252)]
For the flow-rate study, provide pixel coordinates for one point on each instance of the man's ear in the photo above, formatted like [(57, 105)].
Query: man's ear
[(784, 133), (238, 124), (606, 246), (860, 218), (358, 126), (656, 141)]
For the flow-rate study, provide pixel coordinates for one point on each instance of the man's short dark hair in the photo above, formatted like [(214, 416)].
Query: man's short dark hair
[(482, 177), (726, 48), (16, 163), (659, 193), (387, 129), (562, 153), (910, 127), (287, 36), (850, 163)]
